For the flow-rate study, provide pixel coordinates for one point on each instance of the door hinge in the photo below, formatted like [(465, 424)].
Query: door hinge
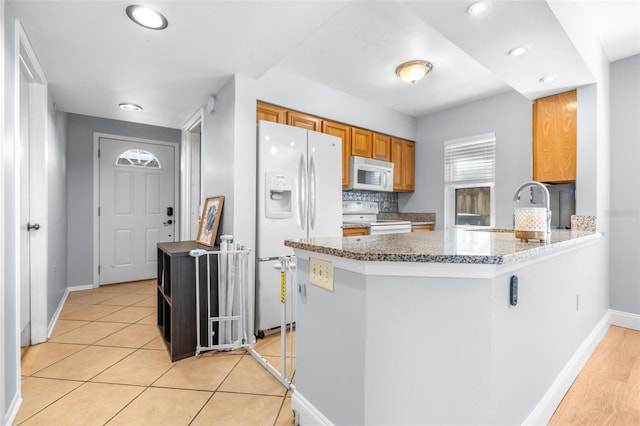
[(98, 269), (98, 211), (98, 152)]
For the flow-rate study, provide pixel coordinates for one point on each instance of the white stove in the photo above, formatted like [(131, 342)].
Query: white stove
[(365, 212)]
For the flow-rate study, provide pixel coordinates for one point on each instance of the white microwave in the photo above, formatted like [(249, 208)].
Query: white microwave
[(370, 174)]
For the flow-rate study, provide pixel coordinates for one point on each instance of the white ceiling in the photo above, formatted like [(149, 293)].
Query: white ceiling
[(94, 57)]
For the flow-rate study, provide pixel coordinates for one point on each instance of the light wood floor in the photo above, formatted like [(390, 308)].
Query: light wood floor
[(607, 390)]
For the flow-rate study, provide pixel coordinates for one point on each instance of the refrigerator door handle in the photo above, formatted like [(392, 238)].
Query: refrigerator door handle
[(302, 192), (312, 193)]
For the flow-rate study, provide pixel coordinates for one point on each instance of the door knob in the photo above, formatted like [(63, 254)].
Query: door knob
[(35, 226), (167, 223)]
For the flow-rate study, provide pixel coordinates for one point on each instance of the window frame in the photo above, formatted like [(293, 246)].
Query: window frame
[(450, 187), (138, 166)]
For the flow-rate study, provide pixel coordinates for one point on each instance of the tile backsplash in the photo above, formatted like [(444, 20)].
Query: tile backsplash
[(387, 201)]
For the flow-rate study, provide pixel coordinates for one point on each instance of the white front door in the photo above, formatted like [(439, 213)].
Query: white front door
[(136, 208)]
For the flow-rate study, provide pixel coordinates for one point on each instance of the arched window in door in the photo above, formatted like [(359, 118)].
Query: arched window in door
[(138, 158)]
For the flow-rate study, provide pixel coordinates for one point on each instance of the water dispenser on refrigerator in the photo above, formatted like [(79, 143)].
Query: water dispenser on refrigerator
[(278, 191)]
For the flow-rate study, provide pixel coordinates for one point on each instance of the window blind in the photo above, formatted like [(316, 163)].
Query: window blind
[(470, 159)]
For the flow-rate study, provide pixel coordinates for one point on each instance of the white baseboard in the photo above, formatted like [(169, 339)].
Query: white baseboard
[(12, 412), (625, 319), (56, 314), (81, 287), (542, 413), (305, 413)]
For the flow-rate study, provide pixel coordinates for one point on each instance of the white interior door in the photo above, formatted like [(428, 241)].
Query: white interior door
[(25, 216), (31, 187), (190, 196), (194, 187), (136, 207)]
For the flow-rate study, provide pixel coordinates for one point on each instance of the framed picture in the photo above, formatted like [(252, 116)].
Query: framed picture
[(210, 219)]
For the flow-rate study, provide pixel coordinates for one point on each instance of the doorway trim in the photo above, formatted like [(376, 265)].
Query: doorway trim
[(39, 207), (186, 157), (96, 190), (3, 412)]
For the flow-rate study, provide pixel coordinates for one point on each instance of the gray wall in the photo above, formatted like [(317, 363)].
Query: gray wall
[(625, 175), (509, 116), (297, 93), (80, 130), (217, 154)]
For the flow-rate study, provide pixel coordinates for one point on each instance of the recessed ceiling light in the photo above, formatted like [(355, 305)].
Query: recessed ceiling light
[(147, 17), (547, 79), (413, 71), (130, 107), (478, 7), (519, 51)]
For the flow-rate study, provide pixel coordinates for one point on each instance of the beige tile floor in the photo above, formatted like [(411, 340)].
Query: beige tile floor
[(106, 364)]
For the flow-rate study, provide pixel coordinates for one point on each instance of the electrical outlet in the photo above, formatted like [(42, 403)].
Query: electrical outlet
[(321, 273)]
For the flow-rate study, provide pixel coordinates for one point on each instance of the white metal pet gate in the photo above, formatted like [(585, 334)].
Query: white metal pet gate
[(229, 303)]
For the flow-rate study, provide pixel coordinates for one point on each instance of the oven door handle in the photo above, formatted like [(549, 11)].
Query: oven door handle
[(389, 229)]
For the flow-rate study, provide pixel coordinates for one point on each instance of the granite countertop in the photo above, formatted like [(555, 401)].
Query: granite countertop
[(414, 218), (355, 225), (450, 246)]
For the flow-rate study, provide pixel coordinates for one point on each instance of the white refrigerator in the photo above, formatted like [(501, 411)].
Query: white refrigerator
[(299, 196)]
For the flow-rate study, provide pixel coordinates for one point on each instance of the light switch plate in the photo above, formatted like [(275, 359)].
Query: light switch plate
[(321, 273)]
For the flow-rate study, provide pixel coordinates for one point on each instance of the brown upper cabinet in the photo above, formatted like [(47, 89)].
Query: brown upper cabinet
[(554, 138), (355, 141), (381, 147), (361, 142), (268, 112), (403, 156), (343, 132), (309, 122)]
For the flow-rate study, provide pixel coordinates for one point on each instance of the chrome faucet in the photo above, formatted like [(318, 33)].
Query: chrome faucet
[(547, 199)]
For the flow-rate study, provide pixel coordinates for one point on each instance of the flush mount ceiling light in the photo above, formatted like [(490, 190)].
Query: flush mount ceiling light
[(130, 107), (147, 17), (519, 51), (478, 7), (547, 79), (413, 71)]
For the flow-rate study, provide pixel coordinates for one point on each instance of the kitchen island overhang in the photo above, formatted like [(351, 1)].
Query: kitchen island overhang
[(410, 338)]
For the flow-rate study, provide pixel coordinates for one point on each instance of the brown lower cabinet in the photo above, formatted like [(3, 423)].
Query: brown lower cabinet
[(421, 228), (352, 232), (177, 297)]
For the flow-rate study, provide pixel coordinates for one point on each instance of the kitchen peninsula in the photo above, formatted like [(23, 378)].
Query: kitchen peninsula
[(421, 328)]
